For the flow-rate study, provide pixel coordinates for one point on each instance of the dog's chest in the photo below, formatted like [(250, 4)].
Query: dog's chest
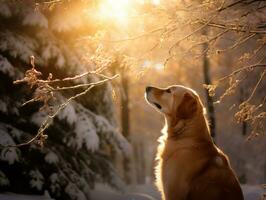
[(174, 177), (174, 166)]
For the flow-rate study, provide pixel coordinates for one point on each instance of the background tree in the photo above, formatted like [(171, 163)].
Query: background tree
[(171, 34), (207, 81), (83, 137)]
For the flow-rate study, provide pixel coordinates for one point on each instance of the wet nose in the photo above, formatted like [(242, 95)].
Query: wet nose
[(148, 89)]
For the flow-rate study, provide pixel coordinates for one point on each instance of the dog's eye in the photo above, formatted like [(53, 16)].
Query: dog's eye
[(158, 105), (168, 91)]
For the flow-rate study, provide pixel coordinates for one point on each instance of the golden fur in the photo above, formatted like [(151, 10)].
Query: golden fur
[(190, 166)]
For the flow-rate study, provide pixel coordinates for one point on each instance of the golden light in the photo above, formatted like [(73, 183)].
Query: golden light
[(156, 2), (155, 65), (115, 10)]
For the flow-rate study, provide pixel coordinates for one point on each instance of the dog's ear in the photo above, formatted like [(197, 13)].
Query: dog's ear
[(187, 107)]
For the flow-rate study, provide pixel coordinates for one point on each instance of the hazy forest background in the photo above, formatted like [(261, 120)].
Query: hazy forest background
[(74, 123)]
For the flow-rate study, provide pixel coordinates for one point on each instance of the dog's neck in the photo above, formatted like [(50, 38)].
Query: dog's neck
[(197, 127)]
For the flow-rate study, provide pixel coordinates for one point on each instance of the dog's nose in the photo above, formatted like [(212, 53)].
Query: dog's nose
[(148, 89)]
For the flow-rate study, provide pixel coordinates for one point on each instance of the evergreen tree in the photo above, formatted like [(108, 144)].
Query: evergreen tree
[(83, 137)]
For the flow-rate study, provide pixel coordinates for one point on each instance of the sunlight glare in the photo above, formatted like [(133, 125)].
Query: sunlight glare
[(156, 2), (159, 66), (115, 10), (149, 64)]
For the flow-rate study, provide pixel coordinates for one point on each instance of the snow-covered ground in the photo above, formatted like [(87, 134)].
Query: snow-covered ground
[(12, 196), (253, 192), (138, 192)]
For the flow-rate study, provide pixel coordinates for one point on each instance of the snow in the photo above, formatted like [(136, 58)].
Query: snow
[(89, 124), (87, 127), (17, 45), (14, 110), (60, 61), (54, 186), (54, 178), (35, 18), (12, 196), (3, 179), (86, 133), (50, 50), (104, 192), (74, 192), (69, 114), (253, 192), (58, 51), (133, 192), (51, 158), (70, 22), (149, 192), (9, 154), (5, 10), (37, 180), (15, 133), (3, 106), (6, 67), (136, 197), (7, 106), (149, 189), (103, 126), (38, 117)]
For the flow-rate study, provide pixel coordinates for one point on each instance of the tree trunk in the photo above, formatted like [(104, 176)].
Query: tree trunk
[(207, 81), (265, 172), (139, 162), (125, 105), (125, 119)]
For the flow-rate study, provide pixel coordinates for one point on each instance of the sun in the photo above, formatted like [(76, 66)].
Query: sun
[(120, 11), (115, 10)]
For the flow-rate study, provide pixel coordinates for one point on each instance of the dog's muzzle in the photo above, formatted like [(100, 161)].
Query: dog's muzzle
[(148, 90)]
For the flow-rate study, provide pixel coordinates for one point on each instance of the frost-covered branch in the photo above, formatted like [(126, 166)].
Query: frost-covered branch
[(247, 112), (235, 32)]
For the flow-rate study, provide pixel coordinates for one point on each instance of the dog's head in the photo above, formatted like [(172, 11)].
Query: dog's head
[(176, 101)]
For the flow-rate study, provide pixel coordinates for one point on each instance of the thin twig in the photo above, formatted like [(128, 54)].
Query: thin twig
[(242, 69), (85, 84), (241, 41), (234, 27), (129, 38), (230, 5), (190, 34), (256, 86)]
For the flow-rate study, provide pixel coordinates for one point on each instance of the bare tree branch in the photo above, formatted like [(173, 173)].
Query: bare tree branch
[(234, 27), (256, 86), (242, 69)]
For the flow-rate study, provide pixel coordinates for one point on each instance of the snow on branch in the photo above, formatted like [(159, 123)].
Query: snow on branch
[(45, 92), (103, 127)]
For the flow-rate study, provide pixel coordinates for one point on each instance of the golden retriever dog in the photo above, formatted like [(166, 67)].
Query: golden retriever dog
[(190, 166)]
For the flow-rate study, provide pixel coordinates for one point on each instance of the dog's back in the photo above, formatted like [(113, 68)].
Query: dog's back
[(215, 180)]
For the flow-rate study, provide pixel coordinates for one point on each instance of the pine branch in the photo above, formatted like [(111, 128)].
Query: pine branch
[(45, 94), (40, 137)]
